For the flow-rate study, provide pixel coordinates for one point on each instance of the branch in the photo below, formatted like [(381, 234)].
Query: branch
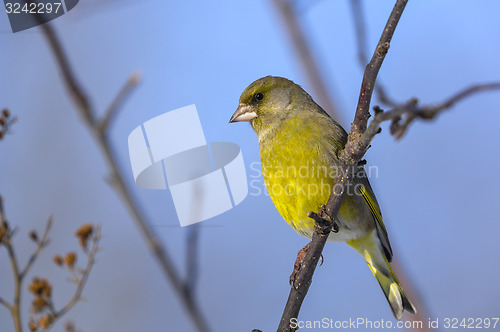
[(40, 245), (192, 261), (7, 241), (6, 121), (360, 27), (84, 275), (6, 304), (73, 86), (430, 111), (303, 49), (113, 109), (99, 130), (303, 279), (43, 314), (349, 158), (410, 111), (371, 71)]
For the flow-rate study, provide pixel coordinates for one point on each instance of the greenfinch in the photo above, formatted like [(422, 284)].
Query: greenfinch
[(298, 143)]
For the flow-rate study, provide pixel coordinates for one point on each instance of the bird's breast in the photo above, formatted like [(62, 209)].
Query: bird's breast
[(299, 177)]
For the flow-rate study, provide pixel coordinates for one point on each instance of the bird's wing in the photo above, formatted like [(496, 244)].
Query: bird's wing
[(369, 197)]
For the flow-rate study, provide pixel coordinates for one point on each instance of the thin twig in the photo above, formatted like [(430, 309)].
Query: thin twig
[(4, 233), (371, 71), (15, 308), (6, 122), (411, 111), (19, 275), (84, 276), (5, 304), (303, 49), (7, 241), (3, 219), (430, 111), (360, 27), (41, 244), (349, 159), (102, 139), (42, 304), (120, 98), (192, 260)]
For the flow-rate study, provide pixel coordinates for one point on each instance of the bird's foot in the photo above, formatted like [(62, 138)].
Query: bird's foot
[(323, 220)]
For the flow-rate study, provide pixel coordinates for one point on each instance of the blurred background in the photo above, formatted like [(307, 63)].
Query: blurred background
[(437, 187)]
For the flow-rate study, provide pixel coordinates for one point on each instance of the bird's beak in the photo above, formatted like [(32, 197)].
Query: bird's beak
[(243, 113)]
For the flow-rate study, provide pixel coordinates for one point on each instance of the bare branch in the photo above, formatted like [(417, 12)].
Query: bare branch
[(303, 49), (192, 261), (3, 219), (41, 244), (70, 327), (6, 121), (89, 115), (112, 110), (371, 71), (6, 304), (43, 314), (360, 27), (7, 241), (431, 111), (85, 273), (72, 84), (410, 111)]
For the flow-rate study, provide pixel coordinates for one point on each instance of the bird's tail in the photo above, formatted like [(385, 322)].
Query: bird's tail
[(381, 269), (391, 287)]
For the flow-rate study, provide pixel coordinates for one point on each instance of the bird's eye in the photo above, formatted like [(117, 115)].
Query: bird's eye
[(259, 96)]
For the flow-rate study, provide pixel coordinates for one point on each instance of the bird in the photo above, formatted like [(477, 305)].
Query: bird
[(299, 144)]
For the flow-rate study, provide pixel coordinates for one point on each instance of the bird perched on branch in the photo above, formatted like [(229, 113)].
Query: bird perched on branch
[(298, 144)]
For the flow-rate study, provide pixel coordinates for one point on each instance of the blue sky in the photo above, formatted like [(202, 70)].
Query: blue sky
[(437, 187)]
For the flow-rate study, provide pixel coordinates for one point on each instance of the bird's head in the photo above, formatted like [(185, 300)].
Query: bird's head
[(268, 101)]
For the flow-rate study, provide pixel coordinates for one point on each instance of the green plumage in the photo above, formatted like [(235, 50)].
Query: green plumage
[(298, 144)]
